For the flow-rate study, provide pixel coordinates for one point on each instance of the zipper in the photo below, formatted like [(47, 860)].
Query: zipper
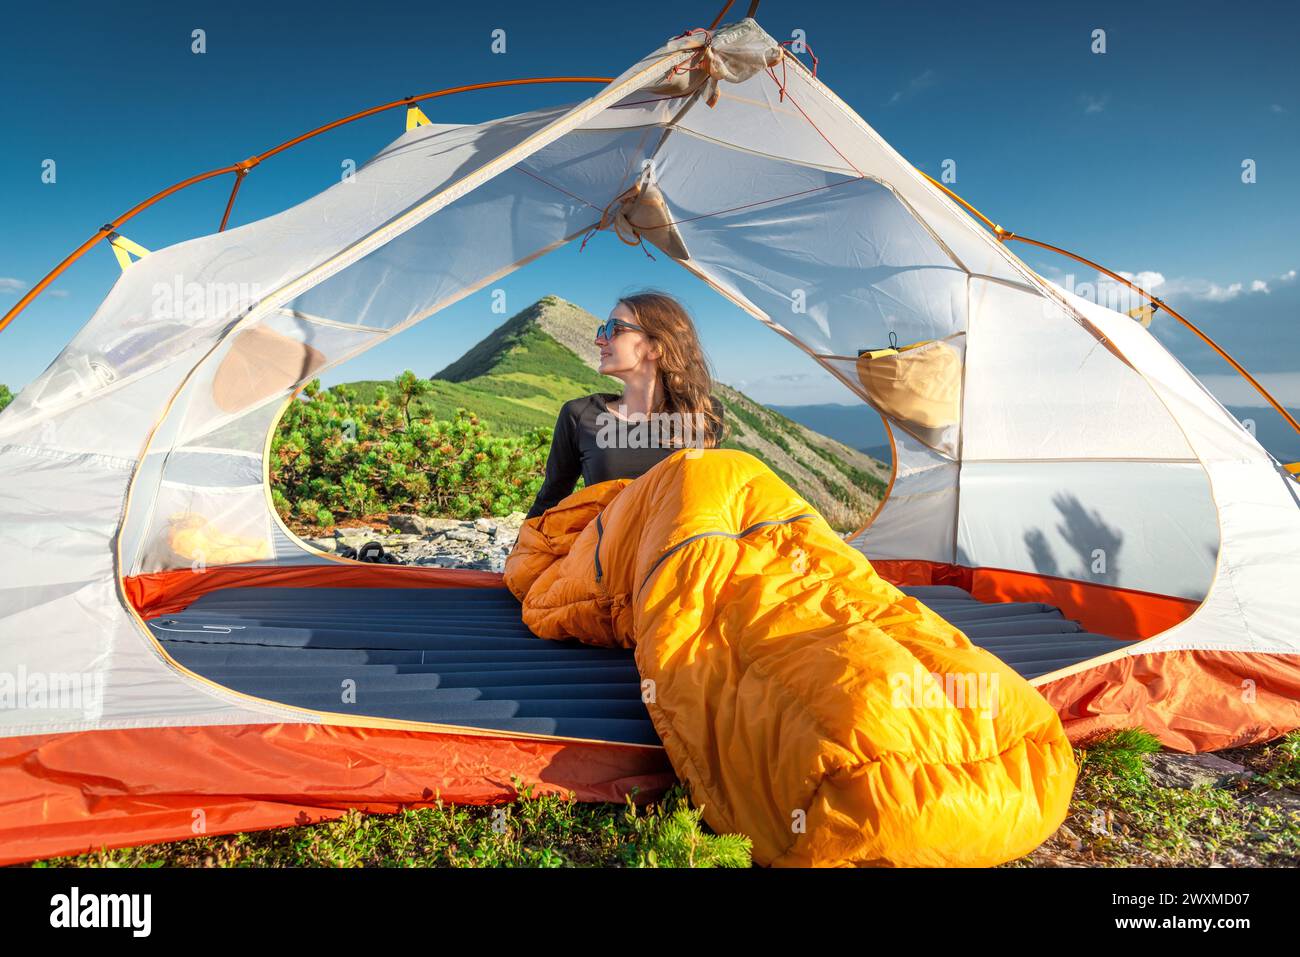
[(600, 531), (740, 534)]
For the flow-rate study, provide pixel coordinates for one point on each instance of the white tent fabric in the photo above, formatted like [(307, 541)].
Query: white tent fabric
[(90, 446), (1077, 430), (1250, 605)]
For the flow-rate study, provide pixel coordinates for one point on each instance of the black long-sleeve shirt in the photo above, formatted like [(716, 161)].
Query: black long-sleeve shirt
[(575, 450)]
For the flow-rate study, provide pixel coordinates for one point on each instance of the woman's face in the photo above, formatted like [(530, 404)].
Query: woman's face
[(629, 352)]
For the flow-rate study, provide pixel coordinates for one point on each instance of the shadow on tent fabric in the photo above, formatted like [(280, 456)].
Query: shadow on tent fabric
[(1086, 532)]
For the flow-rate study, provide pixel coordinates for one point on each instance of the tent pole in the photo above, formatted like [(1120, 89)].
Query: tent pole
[(1183, 319), (1004, 235), (241, 169), (230, 203), (721, 13)]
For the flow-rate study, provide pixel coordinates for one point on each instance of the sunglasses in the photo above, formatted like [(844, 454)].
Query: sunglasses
[(609, 328)]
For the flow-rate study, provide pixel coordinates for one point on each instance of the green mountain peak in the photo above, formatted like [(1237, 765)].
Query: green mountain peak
[(518, 344)]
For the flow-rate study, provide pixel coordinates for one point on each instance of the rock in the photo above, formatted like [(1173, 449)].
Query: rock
[(419, 524), (397, 541), (482, 544), (1171, 770), (324, 544), (1071, 839), (1280, 799)]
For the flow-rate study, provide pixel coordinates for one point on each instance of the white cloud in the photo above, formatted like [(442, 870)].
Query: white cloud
[(1148, 279), (1093, 104), (1190, 287), (1105, 291), (1278, 108), (914, 86), (16, 286), (1217, 293)]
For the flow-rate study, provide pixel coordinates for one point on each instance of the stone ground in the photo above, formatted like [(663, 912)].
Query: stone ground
[(481, 544)]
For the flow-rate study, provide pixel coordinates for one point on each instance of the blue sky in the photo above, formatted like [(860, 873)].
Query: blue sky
[(1132, 158)]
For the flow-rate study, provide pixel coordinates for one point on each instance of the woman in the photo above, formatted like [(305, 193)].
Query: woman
[(649, 341)]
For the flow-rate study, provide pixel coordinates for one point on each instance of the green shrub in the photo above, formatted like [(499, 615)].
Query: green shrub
[(335, 457)]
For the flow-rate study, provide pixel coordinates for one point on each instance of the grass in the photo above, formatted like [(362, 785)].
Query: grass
[(1118, 817), (534, 831), (1118, 757), (1281, 763)]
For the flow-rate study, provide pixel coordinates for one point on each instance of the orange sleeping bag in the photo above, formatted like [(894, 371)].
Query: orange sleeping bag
[(807, 703)]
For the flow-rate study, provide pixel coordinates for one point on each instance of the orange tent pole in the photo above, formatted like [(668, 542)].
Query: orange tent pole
[(230, 203), (241, 169), (1005, 234), (104, 231), (721, 13)]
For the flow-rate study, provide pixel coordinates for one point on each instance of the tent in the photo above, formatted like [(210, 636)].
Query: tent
[(1049, 454)]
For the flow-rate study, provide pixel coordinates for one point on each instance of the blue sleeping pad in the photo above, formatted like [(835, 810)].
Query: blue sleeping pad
[(462, 656)]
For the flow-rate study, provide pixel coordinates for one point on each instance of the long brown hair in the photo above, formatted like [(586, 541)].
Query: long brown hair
[(684, 376)]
